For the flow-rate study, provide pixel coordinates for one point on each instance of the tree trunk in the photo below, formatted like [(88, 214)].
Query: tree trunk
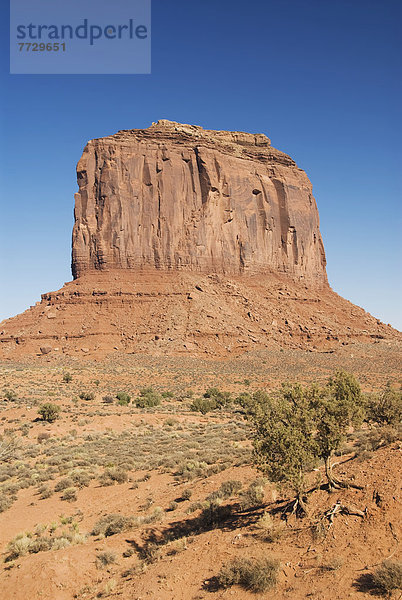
[(333, 482)]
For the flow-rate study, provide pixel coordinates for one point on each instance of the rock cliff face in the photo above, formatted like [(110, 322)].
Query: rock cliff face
[(178, 197)]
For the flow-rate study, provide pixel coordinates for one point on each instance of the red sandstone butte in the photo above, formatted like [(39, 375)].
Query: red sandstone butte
[(191, 241), (180, 197)]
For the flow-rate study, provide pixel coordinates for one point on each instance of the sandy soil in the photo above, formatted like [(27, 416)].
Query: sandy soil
[(169, 453)]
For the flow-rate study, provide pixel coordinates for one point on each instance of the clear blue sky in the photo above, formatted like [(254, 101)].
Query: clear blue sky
[(321, 78)]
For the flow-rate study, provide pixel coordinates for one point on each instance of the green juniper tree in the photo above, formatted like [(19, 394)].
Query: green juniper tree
[(299, 426), (284, 445), (337, 407)]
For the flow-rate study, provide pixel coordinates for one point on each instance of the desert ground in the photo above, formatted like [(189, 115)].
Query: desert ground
[(130, 502)]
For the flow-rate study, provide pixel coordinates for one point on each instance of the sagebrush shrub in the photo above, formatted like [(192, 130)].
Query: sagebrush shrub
[(88, 396), (386, 407), (203, 405), (103, 559), (63, 484), (49, 412), (268, 529), (111, 524), (108, 399), (388, 576), (113, 475), (69, 494), (252, 574), (148, 398), (123, 398)]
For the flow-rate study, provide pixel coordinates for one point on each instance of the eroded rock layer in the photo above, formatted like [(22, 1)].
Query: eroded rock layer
[(178, 197), (170, 313)]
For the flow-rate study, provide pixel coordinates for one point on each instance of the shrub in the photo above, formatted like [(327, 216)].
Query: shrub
[(227, 489), (386, 408), (112, 524), (5, 502), (372, 439), (338, 406), (253, 496), (148, 398), (88, 396), (220, 398), (283, 437), (19, 546), (63, 484), (388, 576), (25, 543), (69, 494), (186, 494), (113, 475), (41, 544), (81, 478), (108, 399), (123, 398), (10, 395), (213, 513), (43, 436), (67, 377), (298, 426), (60, 543), (103, 559), (9, 446), (44, 492), (252, 574), (150, 552), (268, 530), (49, 412), (191, 469), (211, 400), (203, 405)]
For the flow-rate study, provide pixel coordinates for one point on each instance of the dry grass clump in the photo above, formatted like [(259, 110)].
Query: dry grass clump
[(6, 501), (112, 524), (227, 490), (332, 564), (44, 492), (113, 475), (256, 575), (254, 495), (45, 538), (105, 558), (63, 484), (69, 494), (388, 577), (268, 529)]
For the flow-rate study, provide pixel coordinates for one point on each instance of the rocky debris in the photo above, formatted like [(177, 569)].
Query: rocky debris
[(45, 349), (178, 197), (162, 312)]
